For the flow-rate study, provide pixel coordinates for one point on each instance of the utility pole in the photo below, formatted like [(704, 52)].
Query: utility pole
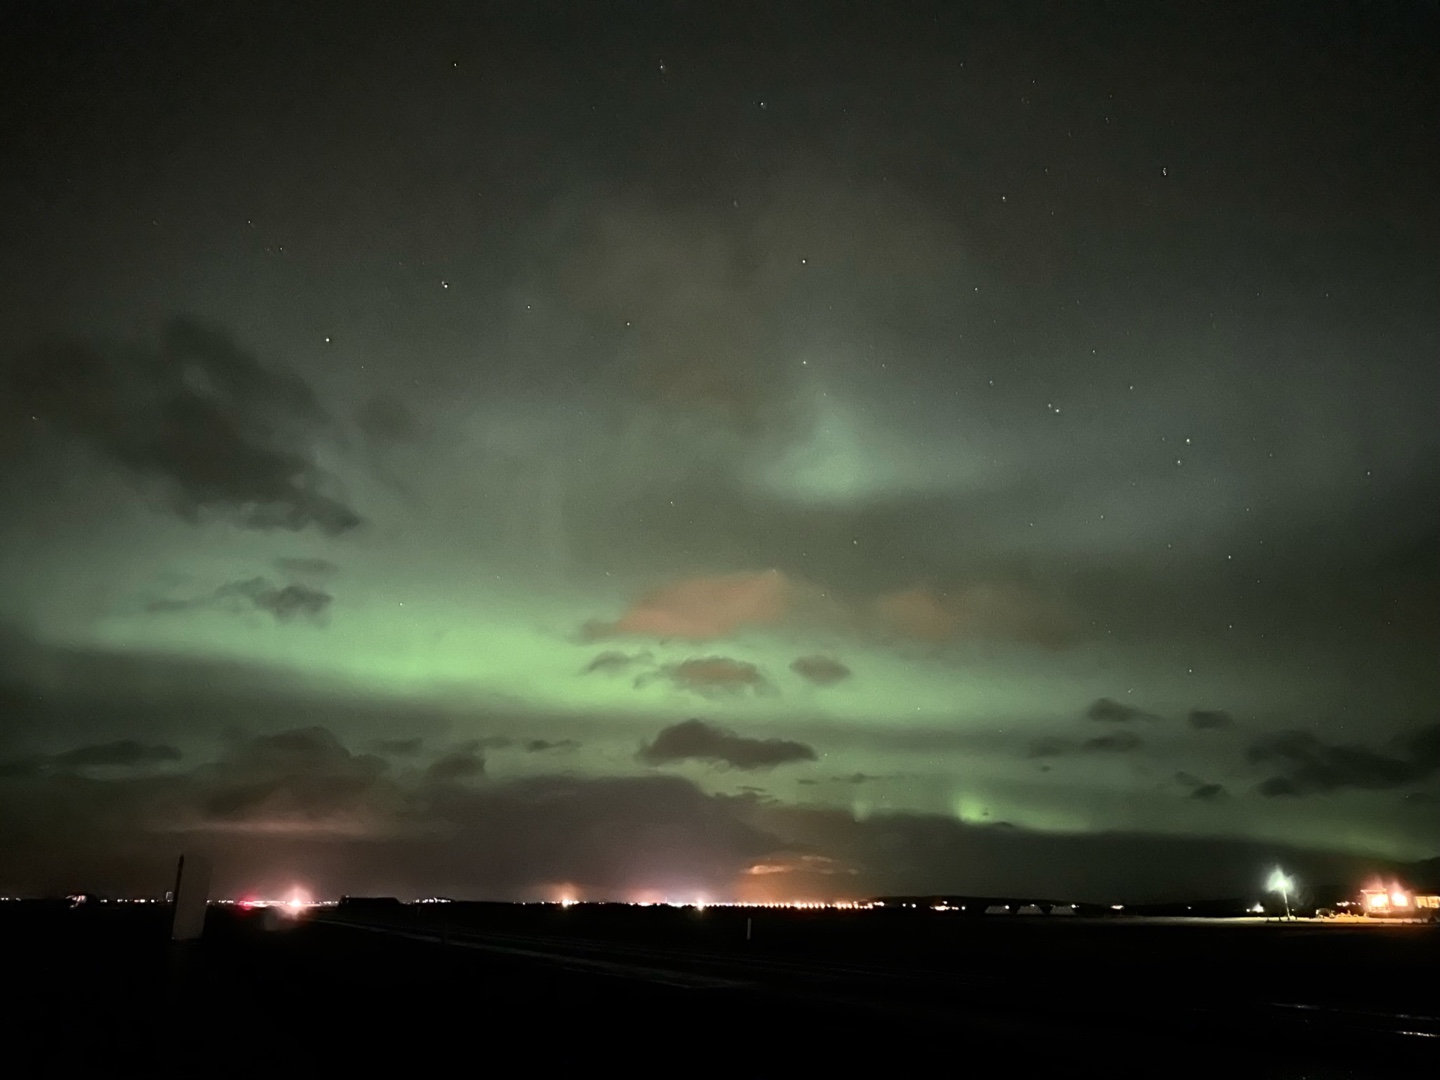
[(1281, 883)]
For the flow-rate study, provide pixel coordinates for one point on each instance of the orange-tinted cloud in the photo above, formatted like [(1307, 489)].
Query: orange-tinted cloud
[(916, 613), (987, 611), (790, 863), (710, 607), (705, 608)]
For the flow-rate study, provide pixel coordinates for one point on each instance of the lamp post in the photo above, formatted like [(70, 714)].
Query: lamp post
[(1280, 883)]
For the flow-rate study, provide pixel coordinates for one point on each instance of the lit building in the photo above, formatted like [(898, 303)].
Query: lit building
[(1398, 903)]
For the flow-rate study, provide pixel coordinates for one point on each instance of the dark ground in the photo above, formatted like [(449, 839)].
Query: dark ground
[(658, 991)]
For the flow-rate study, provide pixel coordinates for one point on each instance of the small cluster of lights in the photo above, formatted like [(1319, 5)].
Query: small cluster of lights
[(815, 905), (293, 904), (701, 905), (803, 905)]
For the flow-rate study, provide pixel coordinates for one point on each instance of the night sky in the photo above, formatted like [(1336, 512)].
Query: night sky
[(731, 450)]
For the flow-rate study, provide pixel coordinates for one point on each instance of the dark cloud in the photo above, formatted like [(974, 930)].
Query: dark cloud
[(1122, 742), (864, 778), (123, 753), (304, 779), (465, 763), (1108, 710), (1210, 719), (284, 602), (696, 740), (540, 746), (1305, 764), (120, 754), (1050, 746), (307, 566), (712, 676), (222, 433), (820, 670), (400, 747), (613, 661), (1200, 789)]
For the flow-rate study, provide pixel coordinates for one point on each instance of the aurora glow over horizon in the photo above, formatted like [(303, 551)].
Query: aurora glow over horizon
[(738, 456)]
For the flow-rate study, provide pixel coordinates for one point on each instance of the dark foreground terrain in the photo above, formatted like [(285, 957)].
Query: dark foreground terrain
[(482, 989)]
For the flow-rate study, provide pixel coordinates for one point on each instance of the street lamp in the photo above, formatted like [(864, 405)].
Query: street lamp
[(1280, 883)]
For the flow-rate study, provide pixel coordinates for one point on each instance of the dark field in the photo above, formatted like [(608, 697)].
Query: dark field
[(658, 991)]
